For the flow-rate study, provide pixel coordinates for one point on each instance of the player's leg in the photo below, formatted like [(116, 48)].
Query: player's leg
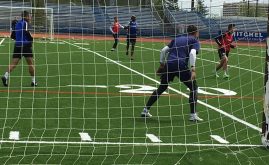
[(185, 77), (11, 67), (15, 60), (221, 53), (116, 40), (28, 54), (127, 45), (133, 41), (31, 69), (165, 79), (225, 65)]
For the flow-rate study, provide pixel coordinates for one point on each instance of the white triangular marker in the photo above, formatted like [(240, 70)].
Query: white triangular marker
[(153, 138), (85, 136), (14, 135), (219, 139)]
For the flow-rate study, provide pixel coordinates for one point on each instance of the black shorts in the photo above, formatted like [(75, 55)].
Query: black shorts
[(116, 36), (131, 39), (169, 74), (222, 53), (25, 51)]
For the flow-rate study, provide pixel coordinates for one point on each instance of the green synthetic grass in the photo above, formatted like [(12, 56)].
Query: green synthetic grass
[(56, 112)]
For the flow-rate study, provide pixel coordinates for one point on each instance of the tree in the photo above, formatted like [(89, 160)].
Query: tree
[(202, 8)]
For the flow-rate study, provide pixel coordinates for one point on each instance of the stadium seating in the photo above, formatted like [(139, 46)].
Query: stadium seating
[(97, 19)]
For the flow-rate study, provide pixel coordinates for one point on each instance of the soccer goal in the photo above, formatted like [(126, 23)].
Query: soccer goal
[(96, 79), (41, 19)]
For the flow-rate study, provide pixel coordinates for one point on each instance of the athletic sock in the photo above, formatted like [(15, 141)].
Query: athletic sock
[(6, 75)]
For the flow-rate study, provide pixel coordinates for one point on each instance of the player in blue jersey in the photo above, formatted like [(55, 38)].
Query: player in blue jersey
[(13, 26), (132, 29), (22, 48), (177, 59)]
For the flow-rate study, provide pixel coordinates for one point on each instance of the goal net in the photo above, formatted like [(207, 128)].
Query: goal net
[(92, 88), (41, 18)]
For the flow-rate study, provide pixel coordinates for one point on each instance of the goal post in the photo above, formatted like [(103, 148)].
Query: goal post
[(41, 23), (265, 123)]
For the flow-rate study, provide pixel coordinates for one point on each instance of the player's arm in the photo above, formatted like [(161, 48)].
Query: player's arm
[(163, 56), (121, 26), (218, 39), (111, 29), (193, 54), (194, 50), (27, 32), (233, 45)]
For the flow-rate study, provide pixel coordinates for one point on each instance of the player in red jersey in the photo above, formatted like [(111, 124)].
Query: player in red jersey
[(224, 42), (115, 29)]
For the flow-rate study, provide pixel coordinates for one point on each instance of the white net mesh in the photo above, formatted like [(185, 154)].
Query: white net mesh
[(87, 105)]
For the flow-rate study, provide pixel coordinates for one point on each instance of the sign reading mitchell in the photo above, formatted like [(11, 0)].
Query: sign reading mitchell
[(250, 36)]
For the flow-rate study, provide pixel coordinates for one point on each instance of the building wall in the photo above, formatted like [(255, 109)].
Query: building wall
[(241, 9)]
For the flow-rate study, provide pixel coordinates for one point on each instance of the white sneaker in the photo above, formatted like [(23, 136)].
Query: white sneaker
[(195, 117), (225, 76), (112, 49), (215, 73), (145, 113)]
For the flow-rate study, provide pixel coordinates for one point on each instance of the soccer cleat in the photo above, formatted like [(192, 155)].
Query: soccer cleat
[(112, 49), (4, 80), (145, 113), (226, 76), (195, 117), (215, 74), (33, 84)]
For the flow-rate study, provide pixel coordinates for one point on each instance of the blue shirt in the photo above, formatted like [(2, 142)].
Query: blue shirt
[(132, 28), (23, 36), (179, 52)]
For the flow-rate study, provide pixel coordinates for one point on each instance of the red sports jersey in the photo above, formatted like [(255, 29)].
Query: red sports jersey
[(224, 41), (116, 27)]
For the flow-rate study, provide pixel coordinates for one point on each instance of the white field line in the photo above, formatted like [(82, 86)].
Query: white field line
[(153, 138), (232, 66), (219, 139), (172, 89), (88, 86), (2, 41), (131, 144)]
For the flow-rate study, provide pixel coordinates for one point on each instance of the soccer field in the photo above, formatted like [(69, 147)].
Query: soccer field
[(84, 87)]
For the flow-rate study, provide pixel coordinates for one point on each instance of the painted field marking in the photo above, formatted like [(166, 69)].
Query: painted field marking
[(116, 61), (175, 90), (85, 136), (153, 138), (219, 139), (88, 86), (130, 144), (2, 41), (14, 135), (78, 43)]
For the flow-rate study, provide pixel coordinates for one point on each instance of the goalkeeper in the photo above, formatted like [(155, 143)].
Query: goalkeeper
[(181, 51)]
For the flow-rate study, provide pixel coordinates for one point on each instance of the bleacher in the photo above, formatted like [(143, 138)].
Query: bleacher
[(248, 24), (85, 19)]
